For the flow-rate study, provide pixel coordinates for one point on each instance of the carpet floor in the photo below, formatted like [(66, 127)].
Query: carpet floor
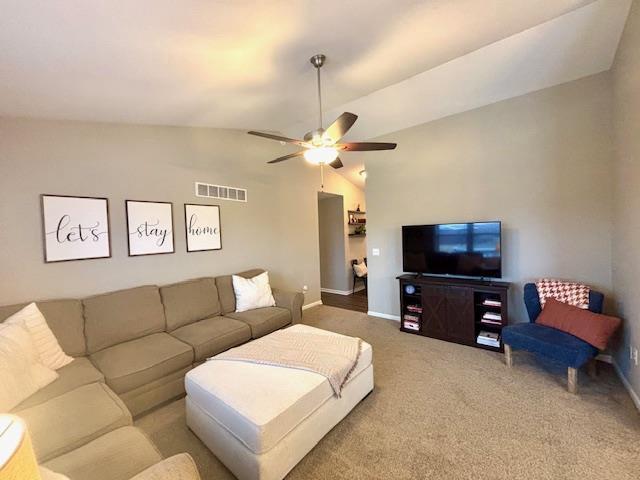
[(445, 411)]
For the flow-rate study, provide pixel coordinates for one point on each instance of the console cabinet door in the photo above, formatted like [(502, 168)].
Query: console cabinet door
[(460, 318), (434, 311)]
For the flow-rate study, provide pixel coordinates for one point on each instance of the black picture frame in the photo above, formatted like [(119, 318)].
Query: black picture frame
[(43, 212), (187, 226), (173, 238)]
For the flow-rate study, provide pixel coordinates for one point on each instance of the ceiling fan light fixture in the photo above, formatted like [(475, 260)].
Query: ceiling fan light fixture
[(321, 155)]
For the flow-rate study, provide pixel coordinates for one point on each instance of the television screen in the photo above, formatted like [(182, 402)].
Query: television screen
[(464, 249)]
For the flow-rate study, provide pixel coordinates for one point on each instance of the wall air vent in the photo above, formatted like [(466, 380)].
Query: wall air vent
[(221, 191)]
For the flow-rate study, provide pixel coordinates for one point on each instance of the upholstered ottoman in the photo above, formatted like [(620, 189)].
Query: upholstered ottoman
[(261, 420)]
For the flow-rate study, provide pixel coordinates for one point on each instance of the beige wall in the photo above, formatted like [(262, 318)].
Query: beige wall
[(540, 163), (332, 241), (277, 229), (626, 232)]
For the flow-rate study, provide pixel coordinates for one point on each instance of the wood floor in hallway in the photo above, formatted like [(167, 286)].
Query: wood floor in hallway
[(357, 302)]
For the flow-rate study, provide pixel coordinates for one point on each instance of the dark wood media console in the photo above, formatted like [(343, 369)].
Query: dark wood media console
[(454, 309)]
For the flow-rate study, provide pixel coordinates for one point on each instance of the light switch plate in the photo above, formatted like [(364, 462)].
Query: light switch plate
[(375, 252)]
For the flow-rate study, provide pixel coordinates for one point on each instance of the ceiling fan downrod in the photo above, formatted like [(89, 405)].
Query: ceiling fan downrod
[(318, 61)]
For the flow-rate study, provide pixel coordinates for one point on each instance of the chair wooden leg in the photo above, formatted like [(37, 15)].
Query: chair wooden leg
[(508, 358), (353, 290), (572, 380), (592, 368)]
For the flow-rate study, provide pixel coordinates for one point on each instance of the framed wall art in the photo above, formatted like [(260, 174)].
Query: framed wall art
[(149, 227), (75, 228), (203, 229)]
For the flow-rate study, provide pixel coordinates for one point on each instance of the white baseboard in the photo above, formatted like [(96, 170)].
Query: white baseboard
[(312, 304), (384, 315), (342, 292), (634, 396)]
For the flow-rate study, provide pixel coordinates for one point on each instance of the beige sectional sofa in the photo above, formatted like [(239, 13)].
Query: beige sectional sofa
[(132, 349)]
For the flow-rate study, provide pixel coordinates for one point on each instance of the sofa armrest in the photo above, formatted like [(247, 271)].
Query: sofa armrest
[(292, 301), (178, 467)]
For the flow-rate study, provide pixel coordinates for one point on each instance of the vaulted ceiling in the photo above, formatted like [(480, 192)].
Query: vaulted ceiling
[(244, 64)]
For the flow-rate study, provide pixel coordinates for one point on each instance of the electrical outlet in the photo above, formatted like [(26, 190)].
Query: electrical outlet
[(635, 356), (305, 289), (375, 252)]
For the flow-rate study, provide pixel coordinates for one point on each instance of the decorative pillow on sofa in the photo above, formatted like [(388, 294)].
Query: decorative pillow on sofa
[(253, 292), (21, 372), (47, 346), (593, 328)]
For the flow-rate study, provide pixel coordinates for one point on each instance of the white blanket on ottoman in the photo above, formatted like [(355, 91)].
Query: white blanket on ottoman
[(332, 356)]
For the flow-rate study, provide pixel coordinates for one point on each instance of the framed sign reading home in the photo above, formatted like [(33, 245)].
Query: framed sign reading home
[(202, 225), (149, 227), (75, 228)]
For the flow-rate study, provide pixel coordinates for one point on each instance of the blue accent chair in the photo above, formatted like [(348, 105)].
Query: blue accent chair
[(549, 342)]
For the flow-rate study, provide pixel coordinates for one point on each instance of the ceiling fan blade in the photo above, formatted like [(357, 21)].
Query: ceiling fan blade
[(337, 129), (365, 146), (279, 138), (287, 157), (337, 163)]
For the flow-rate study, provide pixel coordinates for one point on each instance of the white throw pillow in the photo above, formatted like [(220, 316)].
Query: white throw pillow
[(20, 370), (253, 292), (47, 346), (360, 269)]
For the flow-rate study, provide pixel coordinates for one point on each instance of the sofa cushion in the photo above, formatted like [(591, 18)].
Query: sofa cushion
[(549, 342), (225, 289), (263, 320), (120, 316), (190, 301), (117, 455), (131, 364), (79, 372), (65, 320), (178, 467), (70, 420), (213, 335), (47, 474)]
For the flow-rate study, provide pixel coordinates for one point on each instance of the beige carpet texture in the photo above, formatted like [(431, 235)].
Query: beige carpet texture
[(446, 411)]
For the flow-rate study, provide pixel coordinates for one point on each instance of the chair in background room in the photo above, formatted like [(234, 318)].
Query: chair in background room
[(549, 342), (359, 271)]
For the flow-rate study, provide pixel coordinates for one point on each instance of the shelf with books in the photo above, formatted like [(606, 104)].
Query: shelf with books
[(490, 317), (411, 309)]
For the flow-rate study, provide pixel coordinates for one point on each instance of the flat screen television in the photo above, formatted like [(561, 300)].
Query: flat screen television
[(461, 249)]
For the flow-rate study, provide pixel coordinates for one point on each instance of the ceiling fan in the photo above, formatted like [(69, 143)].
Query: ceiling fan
[(321, 147)]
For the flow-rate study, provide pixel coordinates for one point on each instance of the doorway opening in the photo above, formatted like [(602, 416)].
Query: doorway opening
[(342, 232)]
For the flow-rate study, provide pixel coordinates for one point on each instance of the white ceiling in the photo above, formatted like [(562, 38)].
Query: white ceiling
[(244, 64)]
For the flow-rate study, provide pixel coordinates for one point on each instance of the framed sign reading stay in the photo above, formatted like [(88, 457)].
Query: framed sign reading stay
[(75, 228), (149, 227), (202, 225)]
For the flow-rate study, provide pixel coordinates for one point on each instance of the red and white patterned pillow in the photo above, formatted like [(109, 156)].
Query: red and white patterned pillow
[(571, 293)]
